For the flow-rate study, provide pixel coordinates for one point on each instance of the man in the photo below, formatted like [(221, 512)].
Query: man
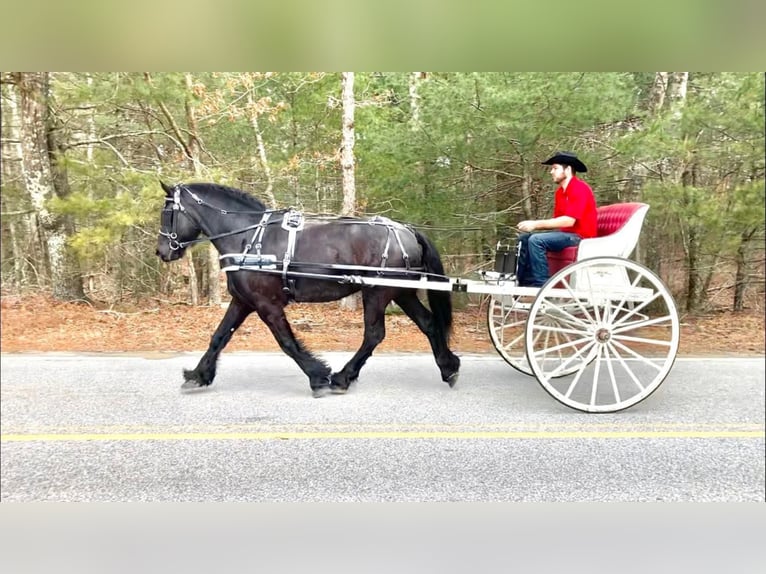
[(574, 218)]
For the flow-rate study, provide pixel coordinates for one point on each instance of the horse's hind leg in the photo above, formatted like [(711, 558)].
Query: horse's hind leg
[(204, 373), (447, 361), (374, 301), (273, 315)]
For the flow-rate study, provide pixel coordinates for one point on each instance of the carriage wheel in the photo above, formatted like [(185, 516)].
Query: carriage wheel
[(506, 321), (621, 329)]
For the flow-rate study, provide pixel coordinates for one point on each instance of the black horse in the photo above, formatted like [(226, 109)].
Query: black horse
[(292, 259)]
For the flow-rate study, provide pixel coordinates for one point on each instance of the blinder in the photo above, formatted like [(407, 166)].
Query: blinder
[(169, 218)]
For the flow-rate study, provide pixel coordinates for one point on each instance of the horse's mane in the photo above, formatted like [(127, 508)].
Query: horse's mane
[(224, 190)]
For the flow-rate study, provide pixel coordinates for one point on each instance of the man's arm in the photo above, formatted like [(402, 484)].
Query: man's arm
[(541, 224)]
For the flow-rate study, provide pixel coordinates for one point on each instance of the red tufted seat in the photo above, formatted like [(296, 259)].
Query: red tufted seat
[(611, 219)]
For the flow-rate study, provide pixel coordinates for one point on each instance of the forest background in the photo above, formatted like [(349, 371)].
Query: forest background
[(456, 154)]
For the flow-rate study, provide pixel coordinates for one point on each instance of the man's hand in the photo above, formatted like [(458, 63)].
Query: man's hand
[(527, 226)]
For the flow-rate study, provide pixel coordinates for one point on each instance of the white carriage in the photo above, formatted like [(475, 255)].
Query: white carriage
[(602, 334)]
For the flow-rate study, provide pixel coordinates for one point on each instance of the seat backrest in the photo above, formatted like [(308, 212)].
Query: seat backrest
[(611, 218), (618, 228)]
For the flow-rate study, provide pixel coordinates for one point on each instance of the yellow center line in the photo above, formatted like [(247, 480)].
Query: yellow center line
[(376, 435)]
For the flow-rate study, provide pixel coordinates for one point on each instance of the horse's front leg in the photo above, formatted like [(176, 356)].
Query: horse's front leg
[(204, 372), (273, 315)]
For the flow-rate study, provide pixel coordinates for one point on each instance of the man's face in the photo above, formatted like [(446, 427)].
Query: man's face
[(558, 173)]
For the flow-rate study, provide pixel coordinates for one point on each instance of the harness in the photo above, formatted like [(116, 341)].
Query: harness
[(293, 222), (393, 228)]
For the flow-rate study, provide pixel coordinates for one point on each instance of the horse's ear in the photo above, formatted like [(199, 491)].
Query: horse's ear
[(168, 189)]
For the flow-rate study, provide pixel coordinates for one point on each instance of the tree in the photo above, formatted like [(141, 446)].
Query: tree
[(347, 159), (43, 169), (17, 216), (347, 147), (194, 147)]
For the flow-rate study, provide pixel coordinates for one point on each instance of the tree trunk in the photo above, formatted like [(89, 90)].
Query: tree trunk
[(193, 285), (677, 87), (90, 122), (347, 153), (212, 265), (19, 276), (252, 114), (71, 286), (415, 79), (44, 176), (685, 174), (414, 83), (657, 94), (694, 280), (526, 191), (11, 176), (741, 275), (653, 104), (692, 276), (347, 161), (12, 153)]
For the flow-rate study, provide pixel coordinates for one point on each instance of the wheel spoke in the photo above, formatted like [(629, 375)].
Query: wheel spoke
[(635, 310), (610, 368), (578, 375), (642, 323), (596, 372), (635, 355), (643, 340), (626, 367), (568, 345), (565, 364), (513, 342)]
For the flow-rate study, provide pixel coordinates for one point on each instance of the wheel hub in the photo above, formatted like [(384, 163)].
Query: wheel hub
[(603, 335)]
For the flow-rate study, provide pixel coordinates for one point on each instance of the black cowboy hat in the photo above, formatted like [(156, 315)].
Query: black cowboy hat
[(566, 158)]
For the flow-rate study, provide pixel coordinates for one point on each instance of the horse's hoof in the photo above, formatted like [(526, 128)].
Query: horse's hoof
[(320, 392), (452, 379), (339, 384), (193, 386)]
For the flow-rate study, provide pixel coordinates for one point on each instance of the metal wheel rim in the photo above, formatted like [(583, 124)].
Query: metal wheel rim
[(507, 325), (620, 349)]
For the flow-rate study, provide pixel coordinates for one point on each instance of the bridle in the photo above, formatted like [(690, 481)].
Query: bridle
[(169, 219), (173, 206)]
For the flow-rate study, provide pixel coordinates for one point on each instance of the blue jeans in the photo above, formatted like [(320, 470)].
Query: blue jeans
[(532, 270)]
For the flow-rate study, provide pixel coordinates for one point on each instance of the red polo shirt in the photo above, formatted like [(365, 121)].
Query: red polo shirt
[(577, 201)]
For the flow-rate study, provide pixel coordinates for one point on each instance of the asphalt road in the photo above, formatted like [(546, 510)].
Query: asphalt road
[(117, 428)]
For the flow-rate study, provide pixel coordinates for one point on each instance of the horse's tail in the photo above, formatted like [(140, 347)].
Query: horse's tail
[(439, 301)]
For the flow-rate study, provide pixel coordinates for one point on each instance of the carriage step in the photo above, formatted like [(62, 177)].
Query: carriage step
[(497, 278)]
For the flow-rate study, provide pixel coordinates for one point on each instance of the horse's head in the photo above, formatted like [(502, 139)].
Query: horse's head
[(177, 227)]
